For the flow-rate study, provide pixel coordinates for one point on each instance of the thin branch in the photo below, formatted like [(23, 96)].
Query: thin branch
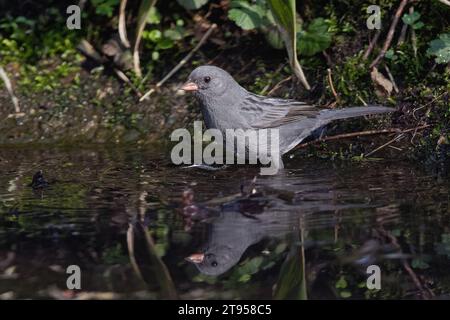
[(426, 292), (384, 145), (124, 77), (447, 2), (181, 63), (402, 36), (360, 134), (330, 81), (372, 44), (391, 77), (390, 35), (278, 85)]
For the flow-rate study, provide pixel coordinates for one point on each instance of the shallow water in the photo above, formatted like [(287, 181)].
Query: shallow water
[(310, 232)]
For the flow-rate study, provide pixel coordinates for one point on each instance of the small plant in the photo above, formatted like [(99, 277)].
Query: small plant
[(440, 48), (105, 7), (413, 20), (159, 40)]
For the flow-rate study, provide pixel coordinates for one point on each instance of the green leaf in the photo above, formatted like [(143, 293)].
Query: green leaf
[(247, 17), (154, 17), (285, 16), (411, 18), (244, 278), (154, 35), (192, 4), (291, 282), (155, 55), (105, 7), (418, 25), (440, 48), (345, 294), (390, 54), (273, 37), (165, 43), (341, 283), (315, 38), (419, 263), (174, 34)]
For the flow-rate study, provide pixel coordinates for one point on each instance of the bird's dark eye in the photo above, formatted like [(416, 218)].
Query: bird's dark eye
[(214, 264), (207, 79)]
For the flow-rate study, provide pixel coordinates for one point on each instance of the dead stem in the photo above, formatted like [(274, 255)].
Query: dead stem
[(372, 44), (390, 35), (360, 134), (181, 63)]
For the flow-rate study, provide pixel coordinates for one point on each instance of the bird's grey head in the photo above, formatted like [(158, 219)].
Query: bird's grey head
[(215, 261), (210, 82)]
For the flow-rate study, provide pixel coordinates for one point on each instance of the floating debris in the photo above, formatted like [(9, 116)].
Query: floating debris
[(39, 181)]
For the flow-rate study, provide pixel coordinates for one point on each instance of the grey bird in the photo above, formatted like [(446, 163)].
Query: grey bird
[(227, 105)]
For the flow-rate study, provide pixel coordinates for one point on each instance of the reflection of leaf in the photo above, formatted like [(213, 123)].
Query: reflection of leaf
[(440, 48), (419, 263), (315, 38), (145, 260), (341, 283), (291, 283), (192, 4), (443, 248)]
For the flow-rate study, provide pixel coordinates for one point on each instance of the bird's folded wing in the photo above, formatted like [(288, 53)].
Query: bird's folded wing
[(265, 112)]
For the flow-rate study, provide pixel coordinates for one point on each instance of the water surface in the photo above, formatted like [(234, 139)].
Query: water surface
[(129, 219)]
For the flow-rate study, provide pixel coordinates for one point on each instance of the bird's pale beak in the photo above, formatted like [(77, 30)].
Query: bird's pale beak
[(189, 86), (196, 258)]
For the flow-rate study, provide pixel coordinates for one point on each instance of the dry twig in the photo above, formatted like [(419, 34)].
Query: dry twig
[(181, 63), (372, 44), (330, 82), (360, 134), (390, 35)]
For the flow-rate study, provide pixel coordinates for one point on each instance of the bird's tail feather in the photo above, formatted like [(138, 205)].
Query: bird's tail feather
[(330, 115)]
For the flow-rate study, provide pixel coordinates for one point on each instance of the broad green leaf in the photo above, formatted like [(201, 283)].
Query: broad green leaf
[(192, 4), (440, 48), (285, 15), (315, 38), (411, 18), (245, 18), (291, 282)]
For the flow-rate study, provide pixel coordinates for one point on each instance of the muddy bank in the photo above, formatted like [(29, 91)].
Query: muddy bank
[(98, 110)]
